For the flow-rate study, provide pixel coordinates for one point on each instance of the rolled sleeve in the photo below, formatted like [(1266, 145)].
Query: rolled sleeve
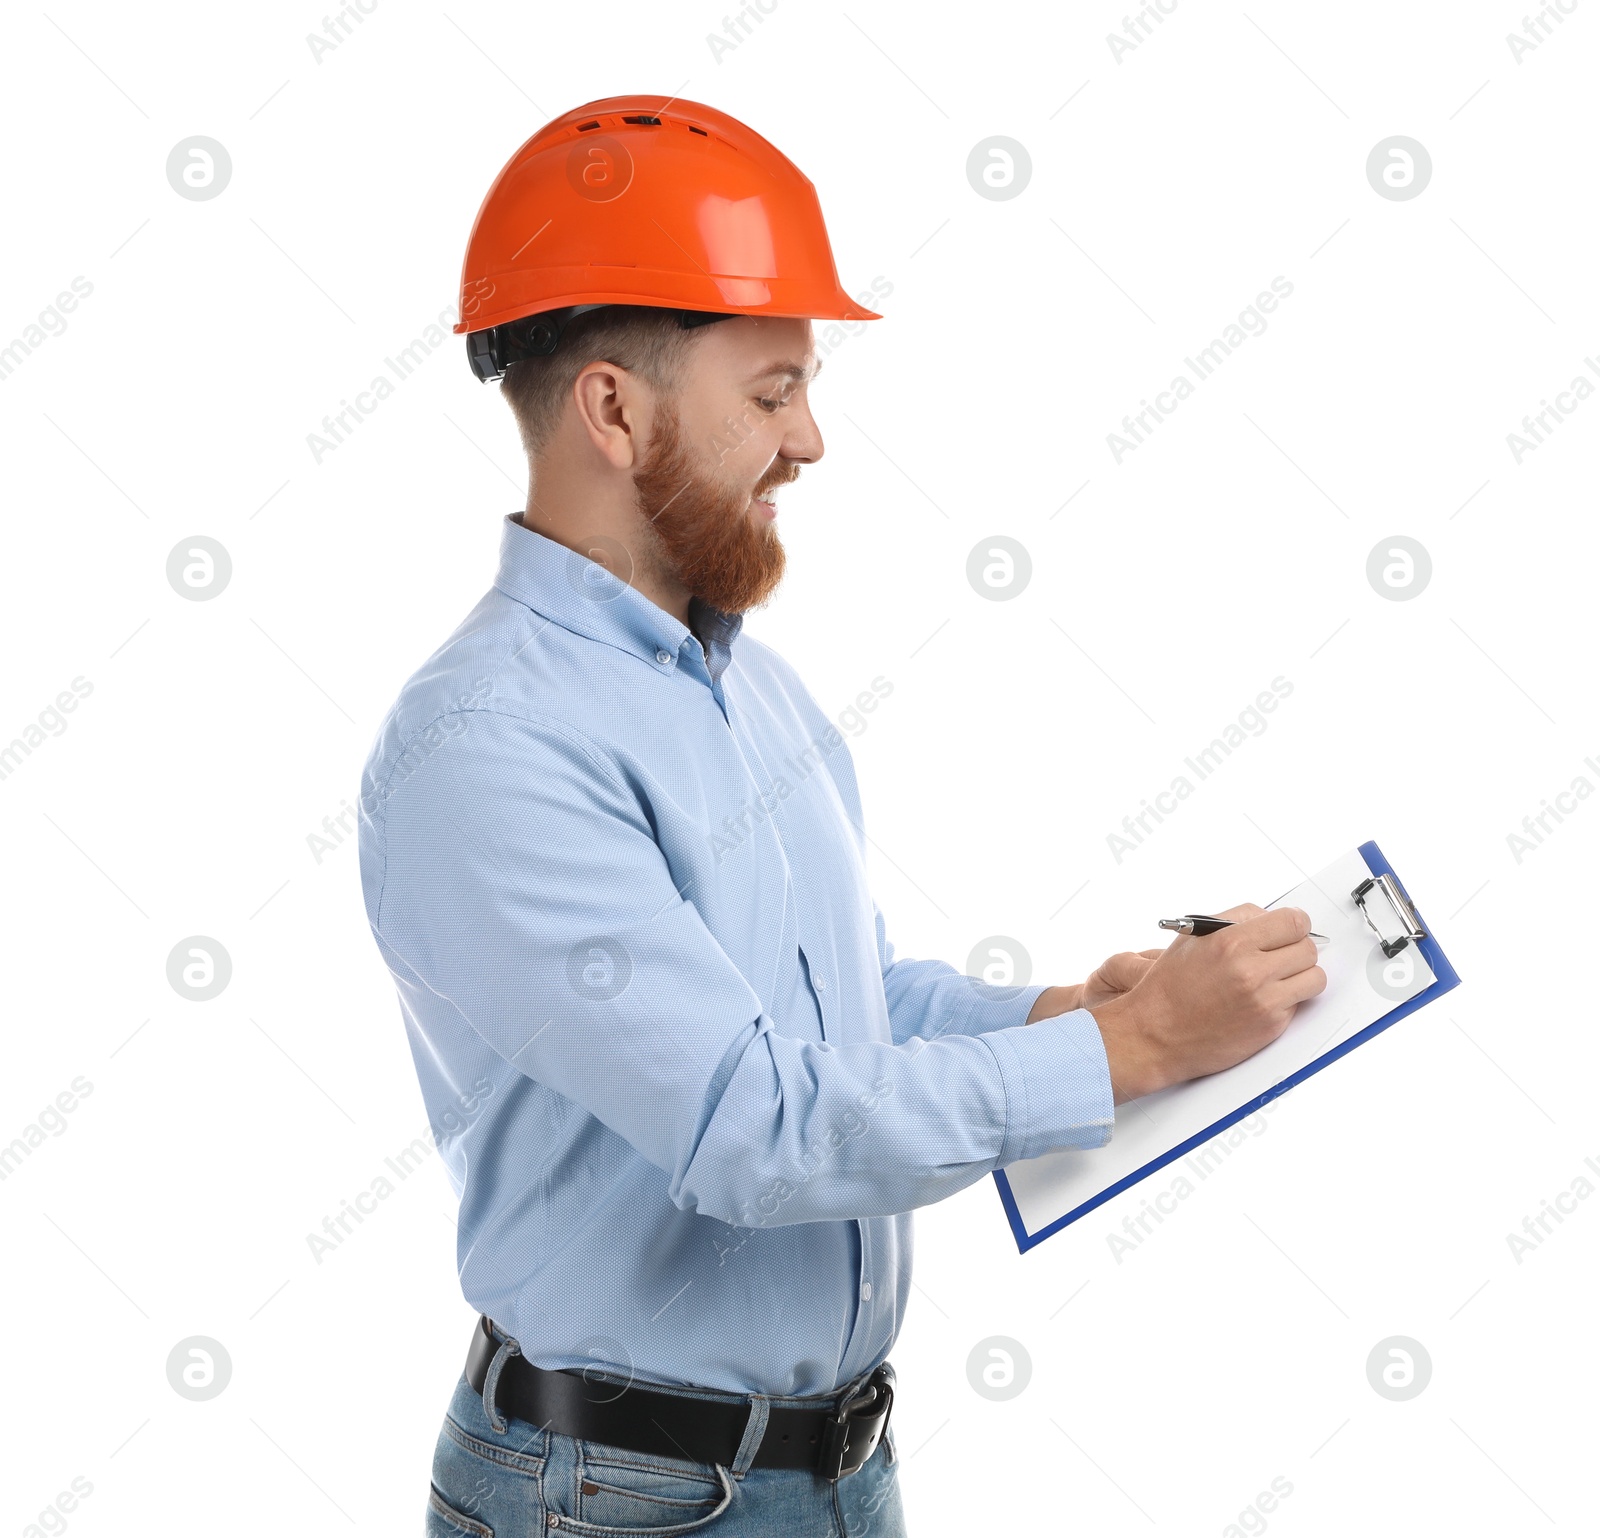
[(1058, 1085)]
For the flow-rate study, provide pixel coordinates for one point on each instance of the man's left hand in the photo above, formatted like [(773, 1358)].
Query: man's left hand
[(1115, 976)]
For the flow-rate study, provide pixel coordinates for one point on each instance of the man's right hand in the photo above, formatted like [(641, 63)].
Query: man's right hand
[(1210, 1001)]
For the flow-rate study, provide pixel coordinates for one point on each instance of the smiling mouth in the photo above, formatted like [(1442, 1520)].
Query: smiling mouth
[(766, 508)]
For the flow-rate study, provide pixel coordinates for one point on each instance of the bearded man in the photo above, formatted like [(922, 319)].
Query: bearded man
[(613, 856)]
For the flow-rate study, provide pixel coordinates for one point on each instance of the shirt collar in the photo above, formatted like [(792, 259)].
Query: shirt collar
[(582, 596)]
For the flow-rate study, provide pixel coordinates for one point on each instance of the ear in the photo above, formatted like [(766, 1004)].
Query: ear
[(614, 411)]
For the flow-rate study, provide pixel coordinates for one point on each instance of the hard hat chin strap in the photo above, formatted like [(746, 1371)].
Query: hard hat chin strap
[(493, 351)]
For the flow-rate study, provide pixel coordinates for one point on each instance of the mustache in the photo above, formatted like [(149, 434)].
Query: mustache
[(781, 474)]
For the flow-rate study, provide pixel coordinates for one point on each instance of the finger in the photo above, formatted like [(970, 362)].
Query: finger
[(1239, 913), (1281, 926), (1289, 991), (1291, 960), (1123, 970), (1154, 955)]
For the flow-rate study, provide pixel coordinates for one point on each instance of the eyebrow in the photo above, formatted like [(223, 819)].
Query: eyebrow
[(788, 370)]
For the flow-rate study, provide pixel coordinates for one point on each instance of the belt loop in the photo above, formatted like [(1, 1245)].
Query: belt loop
[(754, 1430), (491, 1380)]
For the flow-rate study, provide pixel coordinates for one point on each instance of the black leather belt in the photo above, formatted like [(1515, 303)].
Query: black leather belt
[(833, 1440)]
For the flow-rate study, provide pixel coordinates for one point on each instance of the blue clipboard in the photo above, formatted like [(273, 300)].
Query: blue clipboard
[(1445, 978)]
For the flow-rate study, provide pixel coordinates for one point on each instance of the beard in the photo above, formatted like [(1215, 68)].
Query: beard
[(704, 532)]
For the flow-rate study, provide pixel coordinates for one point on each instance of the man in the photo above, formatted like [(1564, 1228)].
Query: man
[(612, 853)]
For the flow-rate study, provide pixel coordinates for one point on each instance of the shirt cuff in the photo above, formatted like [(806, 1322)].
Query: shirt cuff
[(990, 1007), (1057, 1083)]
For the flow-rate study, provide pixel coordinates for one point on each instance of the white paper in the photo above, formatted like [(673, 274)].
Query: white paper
[(1049, 1187)]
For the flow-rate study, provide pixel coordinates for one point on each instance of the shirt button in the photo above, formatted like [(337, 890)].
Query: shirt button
[(663, 655), (866, 1292), (820, 981)]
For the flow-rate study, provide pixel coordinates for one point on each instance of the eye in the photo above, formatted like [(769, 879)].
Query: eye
[(767, 405)]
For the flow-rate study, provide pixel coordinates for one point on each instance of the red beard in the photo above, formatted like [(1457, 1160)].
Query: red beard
[(706, 533)]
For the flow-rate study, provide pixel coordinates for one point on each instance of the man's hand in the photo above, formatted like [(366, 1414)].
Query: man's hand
[(1112, 978), (1115, 976), (1208, 1001)]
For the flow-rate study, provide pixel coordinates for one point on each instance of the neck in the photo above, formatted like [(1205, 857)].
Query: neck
[(611, 532)]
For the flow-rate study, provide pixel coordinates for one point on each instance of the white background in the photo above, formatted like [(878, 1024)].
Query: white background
[(1169, 1386)]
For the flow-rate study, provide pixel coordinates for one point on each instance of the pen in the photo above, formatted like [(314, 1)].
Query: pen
[(1204, 924)]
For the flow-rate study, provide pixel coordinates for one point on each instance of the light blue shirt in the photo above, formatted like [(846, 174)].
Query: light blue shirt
[(686, 1092)]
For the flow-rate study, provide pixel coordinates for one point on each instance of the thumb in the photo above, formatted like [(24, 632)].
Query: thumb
[(1124, 969)]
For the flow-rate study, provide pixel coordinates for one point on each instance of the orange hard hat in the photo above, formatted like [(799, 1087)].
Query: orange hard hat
[(642, 200)]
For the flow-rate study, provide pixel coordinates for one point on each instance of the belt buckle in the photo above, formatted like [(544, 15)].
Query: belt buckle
[(853, 1435)]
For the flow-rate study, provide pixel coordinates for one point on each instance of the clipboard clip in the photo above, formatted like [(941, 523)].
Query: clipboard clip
[(1409, 925)]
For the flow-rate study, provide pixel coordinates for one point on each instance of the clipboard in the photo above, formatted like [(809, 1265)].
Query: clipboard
[(1372, 923)]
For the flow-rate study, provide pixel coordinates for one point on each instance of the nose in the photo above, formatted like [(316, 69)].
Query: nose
[(803, 440)]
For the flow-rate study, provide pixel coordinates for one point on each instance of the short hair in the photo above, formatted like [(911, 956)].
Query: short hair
[(643, 339)]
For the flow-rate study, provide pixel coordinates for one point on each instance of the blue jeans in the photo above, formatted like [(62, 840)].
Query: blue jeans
[(526, 1483)]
